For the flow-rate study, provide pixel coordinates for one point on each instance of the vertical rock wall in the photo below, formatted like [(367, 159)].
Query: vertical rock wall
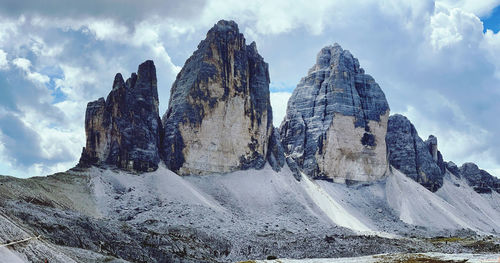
[(408, 153), (219, 117), (124, 130), (336, 121)]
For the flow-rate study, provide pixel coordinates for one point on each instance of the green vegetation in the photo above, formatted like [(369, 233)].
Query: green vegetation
[(448, 239)]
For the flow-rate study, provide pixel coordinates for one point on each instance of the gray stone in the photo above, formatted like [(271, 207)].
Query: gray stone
[(408, 153), (480, 180), (275, 152), (453, 168), (423, 162), (219, 117), (336, 121), (432, 145), (124, 130)]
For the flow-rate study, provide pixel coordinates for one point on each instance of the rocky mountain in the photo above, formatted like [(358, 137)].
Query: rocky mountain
[(420, 160), (222, 91), (336, 121), (219, 117), (423, 162), (214, 181), (479, 179), (124, 130)]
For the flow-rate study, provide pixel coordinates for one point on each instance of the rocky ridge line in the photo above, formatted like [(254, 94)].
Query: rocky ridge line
[(423, 162), (219, 117)]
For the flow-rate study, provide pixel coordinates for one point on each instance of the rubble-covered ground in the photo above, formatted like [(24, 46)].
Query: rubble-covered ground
[(397, 258), (99, 215)]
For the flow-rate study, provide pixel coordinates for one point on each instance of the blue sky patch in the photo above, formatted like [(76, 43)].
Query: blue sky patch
[(492, 21)]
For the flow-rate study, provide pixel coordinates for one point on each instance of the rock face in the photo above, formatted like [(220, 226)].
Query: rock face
[(336, 121), (480, 180), (408, 153), (124, 130), (219, 117), (422, 161)]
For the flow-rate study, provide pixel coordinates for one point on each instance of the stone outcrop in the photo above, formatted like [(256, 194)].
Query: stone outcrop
[(479, 179), (219, 117), (336, 121), (423, 162), (124, 130), (420, 160)]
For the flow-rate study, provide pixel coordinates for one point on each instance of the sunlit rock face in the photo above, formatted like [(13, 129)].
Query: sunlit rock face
[(336, 121), (124, 130), (219, 117)]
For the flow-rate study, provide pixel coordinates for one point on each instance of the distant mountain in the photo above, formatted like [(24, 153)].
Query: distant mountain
[(214, 181)]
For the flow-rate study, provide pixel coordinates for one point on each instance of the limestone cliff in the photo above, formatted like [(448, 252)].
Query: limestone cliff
[(336, 121), (219, 117), (418, 159), (124, 130)]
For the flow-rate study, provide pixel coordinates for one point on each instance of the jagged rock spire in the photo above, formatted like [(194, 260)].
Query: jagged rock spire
[(419, 160), (124, 130), (219, 117)]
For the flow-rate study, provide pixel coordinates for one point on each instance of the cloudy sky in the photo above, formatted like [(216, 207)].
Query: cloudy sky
[(438, 63)]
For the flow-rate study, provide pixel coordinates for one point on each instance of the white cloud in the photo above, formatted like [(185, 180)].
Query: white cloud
[(278, 103), (451, 26), (491, 45), (8, 27), (22, 63), (25, 65), (479, 8), (107, 29), (4, 63)]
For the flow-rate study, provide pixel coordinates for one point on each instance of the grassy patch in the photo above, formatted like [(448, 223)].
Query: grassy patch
[(447, 239)]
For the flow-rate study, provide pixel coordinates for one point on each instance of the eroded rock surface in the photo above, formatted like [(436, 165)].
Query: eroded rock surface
[(419, 160), (124, 130), (219, 117), (479, 179), (336, 121)]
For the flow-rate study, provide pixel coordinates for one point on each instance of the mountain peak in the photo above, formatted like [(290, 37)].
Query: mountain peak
[(223, 87), (225, 25), (336, 120), (336, 58), (123, 131), (118, 82)]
